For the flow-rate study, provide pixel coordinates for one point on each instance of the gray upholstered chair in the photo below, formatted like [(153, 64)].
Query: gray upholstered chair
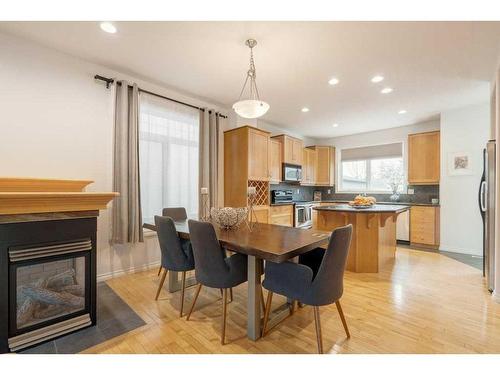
[(316, 280), (177, 214), (212, 267), (176, 255)]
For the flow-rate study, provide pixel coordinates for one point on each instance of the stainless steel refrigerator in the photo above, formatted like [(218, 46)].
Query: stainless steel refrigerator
[(487, 208)]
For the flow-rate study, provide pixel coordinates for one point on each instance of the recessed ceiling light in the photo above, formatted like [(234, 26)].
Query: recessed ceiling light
[(335, 125), (305, 109), (108, 27), (333, 81), (376, 79), (386, 90), (402, 112)]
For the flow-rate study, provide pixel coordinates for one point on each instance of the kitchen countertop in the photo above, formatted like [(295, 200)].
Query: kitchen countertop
[(344, 201), (376, 208)]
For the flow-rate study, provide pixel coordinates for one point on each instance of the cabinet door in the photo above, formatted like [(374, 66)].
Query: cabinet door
[(305, 168), (325, 165), (424, 225), (281, 215), (260, 214), (274, 161), (258, 158), (423, 158), (288, 151), (311, 161), (297, 153)]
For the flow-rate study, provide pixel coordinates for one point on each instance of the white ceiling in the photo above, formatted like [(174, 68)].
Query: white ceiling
[(432, 66)]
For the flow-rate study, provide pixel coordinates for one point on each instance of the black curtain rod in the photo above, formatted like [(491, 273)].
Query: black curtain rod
[(110, 81)]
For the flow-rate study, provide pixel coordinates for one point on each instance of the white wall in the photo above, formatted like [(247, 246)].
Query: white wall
[(57, 122), (392, 135), (462, 130)]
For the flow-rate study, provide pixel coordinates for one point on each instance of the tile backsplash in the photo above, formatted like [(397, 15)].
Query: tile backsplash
[(422, 193)]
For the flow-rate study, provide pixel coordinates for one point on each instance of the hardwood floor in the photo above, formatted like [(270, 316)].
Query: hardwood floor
[(422, 303)]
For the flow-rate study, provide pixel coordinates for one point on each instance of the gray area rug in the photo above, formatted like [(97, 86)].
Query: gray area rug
[(114, 318)]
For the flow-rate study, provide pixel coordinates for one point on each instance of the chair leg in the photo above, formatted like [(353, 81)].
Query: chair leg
[(224, 315), (342, 317), (267, 311), (194, 301), (159, 271), (317, 322), (262, 303), (183, 287), (231, 294), (161, 283)]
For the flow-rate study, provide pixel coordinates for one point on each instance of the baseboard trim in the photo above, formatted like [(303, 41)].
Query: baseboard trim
[(131, 270)]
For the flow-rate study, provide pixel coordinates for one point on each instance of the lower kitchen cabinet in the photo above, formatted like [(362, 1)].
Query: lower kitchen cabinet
[(260, 214), (281, 215), (424, 226)]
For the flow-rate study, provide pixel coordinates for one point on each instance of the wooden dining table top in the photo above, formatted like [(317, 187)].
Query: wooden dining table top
[(275, 243)]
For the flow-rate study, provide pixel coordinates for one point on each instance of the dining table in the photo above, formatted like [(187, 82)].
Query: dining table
[(260, 242)]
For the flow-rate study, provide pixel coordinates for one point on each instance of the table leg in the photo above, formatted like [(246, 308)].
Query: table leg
[(253, 305)]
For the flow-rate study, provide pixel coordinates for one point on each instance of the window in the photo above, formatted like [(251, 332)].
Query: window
[(372, 169), (168, 152)]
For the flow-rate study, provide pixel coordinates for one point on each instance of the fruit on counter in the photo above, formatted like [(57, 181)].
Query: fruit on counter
[(360, 200)]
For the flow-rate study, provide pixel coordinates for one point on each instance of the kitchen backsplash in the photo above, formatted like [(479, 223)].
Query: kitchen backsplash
[(422, 193)]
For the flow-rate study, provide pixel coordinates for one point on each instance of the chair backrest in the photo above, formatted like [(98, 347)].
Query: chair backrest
[(328, 284), (172, 256), (208, 255), (176, 213)]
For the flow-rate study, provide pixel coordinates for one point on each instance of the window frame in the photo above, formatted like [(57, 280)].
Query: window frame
[(339, 187)]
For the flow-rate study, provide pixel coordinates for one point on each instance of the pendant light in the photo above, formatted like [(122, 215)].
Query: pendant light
[(252, 106)]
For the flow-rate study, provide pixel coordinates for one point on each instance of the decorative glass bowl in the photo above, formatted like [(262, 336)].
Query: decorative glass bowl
[(228, 217)]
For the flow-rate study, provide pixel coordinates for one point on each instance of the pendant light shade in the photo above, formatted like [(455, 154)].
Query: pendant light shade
[(251, 106)]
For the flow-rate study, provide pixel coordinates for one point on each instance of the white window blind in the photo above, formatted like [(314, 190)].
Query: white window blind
[(169, 153), (377, 168)]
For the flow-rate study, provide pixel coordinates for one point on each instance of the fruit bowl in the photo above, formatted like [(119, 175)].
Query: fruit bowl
[(228, 217)]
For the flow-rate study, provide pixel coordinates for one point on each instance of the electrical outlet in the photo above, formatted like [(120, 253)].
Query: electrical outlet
[(297, 191), (329, 191), (411, 191)]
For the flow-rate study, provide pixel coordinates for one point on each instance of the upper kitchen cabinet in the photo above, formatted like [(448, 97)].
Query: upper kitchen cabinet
[(424, 158), (325, 165), (275, 168), (246, 158), (291, 152), (309, 158)]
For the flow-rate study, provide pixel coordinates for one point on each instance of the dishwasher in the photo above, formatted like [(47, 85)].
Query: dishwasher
[(403, 227)]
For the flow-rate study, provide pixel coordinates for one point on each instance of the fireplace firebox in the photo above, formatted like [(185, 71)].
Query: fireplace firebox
[(47, 278)]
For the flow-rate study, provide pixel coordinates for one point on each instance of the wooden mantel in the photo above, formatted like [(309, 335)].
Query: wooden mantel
[(32, 195)]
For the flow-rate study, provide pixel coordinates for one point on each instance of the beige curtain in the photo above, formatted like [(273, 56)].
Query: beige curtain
[(211, 162), (127, 220)]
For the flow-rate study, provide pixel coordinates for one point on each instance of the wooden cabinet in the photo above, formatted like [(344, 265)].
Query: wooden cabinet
[(260, 214), (281, 215), (309, 158), (275, 168), (324, 170), (424, 158), (291, 152), (258, 158), (246, 158), (424, 226)]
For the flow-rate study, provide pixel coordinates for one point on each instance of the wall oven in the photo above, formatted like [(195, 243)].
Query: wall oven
[(292, 173)]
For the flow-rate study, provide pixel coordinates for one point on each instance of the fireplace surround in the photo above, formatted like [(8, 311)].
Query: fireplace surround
[(47, 277)]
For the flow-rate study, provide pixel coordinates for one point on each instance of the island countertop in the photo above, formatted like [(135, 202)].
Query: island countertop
[(376, 208)]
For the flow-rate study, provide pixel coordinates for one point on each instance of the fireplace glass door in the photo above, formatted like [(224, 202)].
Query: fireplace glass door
[(48, 289)]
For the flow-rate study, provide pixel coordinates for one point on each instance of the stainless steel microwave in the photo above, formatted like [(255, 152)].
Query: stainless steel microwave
[(292, 173)]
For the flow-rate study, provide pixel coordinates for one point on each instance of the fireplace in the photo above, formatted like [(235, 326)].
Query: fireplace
[(51, 284)]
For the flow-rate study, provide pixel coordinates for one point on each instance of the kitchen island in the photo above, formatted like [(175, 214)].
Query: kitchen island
[(374, 232)]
